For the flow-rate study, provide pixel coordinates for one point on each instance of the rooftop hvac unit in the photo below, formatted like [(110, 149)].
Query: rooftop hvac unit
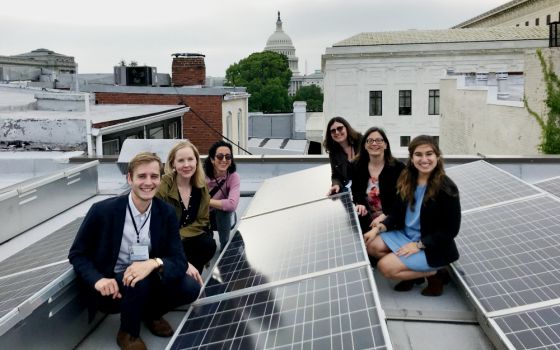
[(135, 76)]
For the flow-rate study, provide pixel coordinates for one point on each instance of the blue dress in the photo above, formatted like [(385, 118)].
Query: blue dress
[(411, 233)]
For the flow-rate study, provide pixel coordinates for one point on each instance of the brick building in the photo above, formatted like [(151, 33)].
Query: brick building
[(212, 110)]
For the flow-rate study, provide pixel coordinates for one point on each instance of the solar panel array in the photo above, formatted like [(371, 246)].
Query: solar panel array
[(482, 184), (334, 311), (551, 185), (295, 276), (289, 243), (510, 254), (26, 273)]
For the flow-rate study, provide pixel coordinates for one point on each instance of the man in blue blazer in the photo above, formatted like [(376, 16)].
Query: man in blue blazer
[(129, 256)]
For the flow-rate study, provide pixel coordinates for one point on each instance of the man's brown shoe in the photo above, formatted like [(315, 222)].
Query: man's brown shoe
[(160, 327), (129, 342)]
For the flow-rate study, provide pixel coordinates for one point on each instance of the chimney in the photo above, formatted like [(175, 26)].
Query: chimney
[(188, 69)]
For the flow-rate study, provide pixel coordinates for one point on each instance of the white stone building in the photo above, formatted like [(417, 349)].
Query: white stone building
[(392, 79)]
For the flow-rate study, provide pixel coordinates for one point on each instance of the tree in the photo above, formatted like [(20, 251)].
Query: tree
[(266, 75), (311, 94), (550, 124)]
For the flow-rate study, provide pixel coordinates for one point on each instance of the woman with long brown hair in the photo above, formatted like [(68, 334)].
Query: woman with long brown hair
[(341, 143), (416, 240)]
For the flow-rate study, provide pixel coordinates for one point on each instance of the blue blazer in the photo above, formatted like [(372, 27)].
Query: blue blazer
[(95, 249)]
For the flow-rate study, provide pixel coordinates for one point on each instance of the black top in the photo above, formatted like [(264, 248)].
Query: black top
[(189, 214), (387, 184), (340, 165), (440, 220)]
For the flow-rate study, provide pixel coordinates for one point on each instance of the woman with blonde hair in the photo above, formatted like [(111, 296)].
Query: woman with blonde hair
[(184, 187)]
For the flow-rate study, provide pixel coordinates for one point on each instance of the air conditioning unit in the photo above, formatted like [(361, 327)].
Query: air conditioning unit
[(135, 76)]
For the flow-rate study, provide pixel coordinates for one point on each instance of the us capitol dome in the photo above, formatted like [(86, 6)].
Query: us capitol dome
[(280, 42)]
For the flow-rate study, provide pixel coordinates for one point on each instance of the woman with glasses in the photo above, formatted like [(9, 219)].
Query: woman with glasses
[(223, 184), (418, 237), (374, 180), (341, 143), (183, 187)]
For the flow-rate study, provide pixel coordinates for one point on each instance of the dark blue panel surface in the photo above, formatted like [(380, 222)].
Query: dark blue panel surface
[(334, 311), (289, 243)]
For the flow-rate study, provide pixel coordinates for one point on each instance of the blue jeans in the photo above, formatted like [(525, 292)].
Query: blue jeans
[(223, 225)]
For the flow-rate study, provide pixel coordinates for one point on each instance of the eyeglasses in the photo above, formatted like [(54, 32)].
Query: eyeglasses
[(378, 141), (221, 156), (337, 129)]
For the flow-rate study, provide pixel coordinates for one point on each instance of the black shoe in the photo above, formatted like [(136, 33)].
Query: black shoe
[(405, 286), (436, 282)]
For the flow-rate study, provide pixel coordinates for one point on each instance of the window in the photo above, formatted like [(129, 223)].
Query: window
[(405, 141), (173, 130), (547, 19), (156, 132), (228, 125), (537, 21), (436, 140), (526, 23), (405, 102), (433, 102), (375, 100), (111, 147), (517, 25)]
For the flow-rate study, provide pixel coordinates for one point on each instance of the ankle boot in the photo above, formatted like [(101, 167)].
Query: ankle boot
[(405, 286), (435, 283)]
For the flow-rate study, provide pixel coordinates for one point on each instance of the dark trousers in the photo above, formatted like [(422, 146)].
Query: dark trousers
[(199, 249), (149, 299)]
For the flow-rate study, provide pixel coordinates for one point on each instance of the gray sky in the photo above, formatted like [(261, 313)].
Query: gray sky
[(100, 33)]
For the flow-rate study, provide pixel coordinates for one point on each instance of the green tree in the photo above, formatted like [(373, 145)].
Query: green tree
[(311, 94), (266, 75), (550, 124)]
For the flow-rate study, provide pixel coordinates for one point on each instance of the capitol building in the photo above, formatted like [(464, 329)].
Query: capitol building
[(280, 42)]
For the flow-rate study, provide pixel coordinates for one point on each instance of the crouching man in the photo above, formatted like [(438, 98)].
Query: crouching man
[(129, 256)]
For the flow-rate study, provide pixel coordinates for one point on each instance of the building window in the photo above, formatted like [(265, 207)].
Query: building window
[(239, 127), (436, 140), (375, 100), (526, 23), (405, 141), (537, 21), (111, 147), (517, 25), (173, 130), (156, 132), (228, 125), (547, 19), (433, 102), (405, 102)]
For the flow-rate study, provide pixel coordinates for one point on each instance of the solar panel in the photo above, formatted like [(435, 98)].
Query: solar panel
[(482, 184), (291, 189), (533, 329), (51, 249), (510, 253), (551, 185), (334, 311), (290, 243), (16, 289)]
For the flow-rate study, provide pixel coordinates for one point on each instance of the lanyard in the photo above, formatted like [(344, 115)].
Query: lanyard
[(134, 223)]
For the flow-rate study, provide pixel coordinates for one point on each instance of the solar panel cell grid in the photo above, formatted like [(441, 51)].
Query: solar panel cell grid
[(534, 329), (551, 186), (289, 243), (335, 311), (510, 255), (482, 184)]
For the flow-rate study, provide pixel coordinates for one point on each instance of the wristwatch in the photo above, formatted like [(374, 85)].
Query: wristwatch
[(420, 245)]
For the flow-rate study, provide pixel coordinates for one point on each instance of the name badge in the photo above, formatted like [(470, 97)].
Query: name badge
[(139, 252)]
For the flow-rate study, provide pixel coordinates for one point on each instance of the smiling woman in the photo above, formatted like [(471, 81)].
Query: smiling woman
[(183, 187)]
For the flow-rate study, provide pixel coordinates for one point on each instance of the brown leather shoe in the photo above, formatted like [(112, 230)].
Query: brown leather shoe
[(128, 342), (160, 327), (436, 282)]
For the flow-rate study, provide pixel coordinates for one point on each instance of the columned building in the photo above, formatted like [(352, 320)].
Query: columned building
[(280, 42)]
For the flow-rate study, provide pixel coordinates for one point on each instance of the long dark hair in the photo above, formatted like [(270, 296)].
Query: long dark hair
[(209, 167), (362, 159), (331, 145), (408, 181)]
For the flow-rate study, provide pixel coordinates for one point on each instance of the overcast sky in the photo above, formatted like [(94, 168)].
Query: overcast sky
[(100, 33)]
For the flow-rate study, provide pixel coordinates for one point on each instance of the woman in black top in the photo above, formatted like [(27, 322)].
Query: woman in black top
[(418, 236), (341, 143), (374, 178)]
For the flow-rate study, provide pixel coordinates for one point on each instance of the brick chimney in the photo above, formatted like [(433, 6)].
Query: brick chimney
[(188, 69)]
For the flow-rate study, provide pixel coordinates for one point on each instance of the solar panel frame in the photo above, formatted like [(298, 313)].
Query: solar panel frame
[(550, 185), (225, 330), (482, 184), (490, 284), (297, 247)]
